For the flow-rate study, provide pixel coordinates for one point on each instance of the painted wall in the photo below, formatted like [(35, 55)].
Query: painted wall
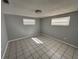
[(66, 33), (4, 38), (16, 29)]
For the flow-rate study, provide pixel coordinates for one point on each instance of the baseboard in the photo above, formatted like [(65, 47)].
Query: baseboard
[(59, 40), (16, 39), (5, 51), (21, 38)]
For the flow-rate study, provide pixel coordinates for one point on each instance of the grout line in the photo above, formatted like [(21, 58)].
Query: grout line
[(37, 52), (55, 51), (73, 54), (16, 49), (22, 48), (64, 53), (29, 51)]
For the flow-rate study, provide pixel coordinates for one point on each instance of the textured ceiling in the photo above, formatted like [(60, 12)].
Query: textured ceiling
[(48, 7)]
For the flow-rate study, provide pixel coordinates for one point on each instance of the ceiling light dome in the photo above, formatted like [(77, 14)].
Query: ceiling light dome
[(38, 11)]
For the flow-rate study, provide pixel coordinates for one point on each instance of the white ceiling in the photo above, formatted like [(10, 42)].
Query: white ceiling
[(48, 7)]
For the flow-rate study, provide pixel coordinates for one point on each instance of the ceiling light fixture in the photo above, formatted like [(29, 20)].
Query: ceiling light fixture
[(6, 1), (38, 11)]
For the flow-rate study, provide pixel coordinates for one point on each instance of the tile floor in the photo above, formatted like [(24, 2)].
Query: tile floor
[(48, 49)]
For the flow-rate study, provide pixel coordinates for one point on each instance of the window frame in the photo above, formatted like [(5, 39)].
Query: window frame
[(28, 20), (65, 24)]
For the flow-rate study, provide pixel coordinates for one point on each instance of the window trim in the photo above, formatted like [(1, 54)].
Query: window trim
[(62, 22), (26, 20)]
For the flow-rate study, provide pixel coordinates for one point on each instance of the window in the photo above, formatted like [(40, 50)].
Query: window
[(63, 21), (29, 21)]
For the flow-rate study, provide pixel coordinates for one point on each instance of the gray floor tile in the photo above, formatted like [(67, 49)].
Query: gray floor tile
[(50, 49)]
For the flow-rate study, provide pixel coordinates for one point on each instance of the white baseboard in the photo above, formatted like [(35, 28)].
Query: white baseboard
[(16, 39), (22, 38), (5, 51), (59, 40)]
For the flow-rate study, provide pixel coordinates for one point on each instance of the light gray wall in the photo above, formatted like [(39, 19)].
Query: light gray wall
[(16, 29), (66, 33), (4, 38)]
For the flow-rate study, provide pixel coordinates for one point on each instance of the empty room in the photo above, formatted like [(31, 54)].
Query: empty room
[(39, 29)]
